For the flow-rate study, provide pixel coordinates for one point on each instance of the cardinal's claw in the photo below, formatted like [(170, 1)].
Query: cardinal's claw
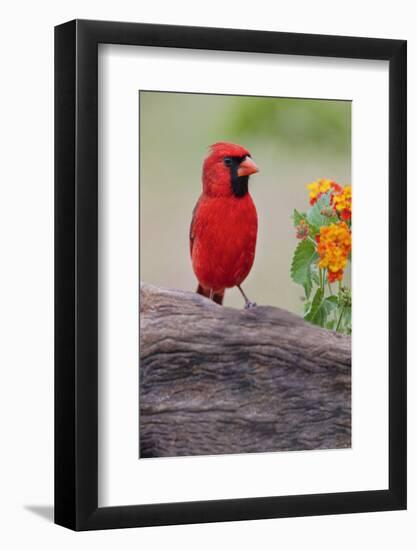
[(249, 305)]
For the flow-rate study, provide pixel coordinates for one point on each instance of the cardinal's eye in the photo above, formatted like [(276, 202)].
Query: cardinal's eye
[(228, 161)]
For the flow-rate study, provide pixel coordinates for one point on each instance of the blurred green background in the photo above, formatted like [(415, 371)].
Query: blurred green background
[(293, 141)]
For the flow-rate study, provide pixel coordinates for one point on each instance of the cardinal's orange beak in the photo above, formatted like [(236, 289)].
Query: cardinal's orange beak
[(247, 167)]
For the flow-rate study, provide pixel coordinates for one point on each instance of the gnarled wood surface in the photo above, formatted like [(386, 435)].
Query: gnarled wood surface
[(219, 380)]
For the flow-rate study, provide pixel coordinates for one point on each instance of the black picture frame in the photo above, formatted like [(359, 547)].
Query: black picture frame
[(76, 272)]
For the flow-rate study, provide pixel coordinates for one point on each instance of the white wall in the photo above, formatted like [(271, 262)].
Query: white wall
[(26, 274)]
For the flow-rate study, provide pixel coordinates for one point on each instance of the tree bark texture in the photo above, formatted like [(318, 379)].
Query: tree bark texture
[(217, 380)]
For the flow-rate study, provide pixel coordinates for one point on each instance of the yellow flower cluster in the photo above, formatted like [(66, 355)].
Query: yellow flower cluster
[(334, 244), (343, 202), (321, 187)]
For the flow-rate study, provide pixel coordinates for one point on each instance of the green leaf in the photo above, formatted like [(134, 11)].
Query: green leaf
[(297, 217), (308, 287), (313, 230), (314, 215), (332, 302), (312, 314), (300, 266), (315, 274), (304, 255), (321, 308), (346, 321)]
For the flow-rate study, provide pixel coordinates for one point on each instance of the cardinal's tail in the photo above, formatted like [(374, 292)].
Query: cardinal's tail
[(216, 297)]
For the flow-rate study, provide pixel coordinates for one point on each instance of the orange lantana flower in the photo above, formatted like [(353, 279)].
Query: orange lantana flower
[(334, 244), (343, 203), (321, 187)]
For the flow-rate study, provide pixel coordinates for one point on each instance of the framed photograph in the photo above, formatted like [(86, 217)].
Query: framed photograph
[(230, 252)]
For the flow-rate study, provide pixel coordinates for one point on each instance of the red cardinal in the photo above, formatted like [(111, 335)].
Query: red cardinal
[(225, 224)]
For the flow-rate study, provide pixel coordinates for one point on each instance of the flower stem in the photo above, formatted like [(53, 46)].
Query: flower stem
[(340, 318)]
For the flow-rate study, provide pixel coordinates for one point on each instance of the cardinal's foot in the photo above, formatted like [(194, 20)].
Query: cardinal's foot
[(249, 304)]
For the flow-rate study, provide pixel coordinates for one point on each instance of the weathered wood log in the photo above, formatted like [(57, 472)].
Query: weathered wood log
[(220, 380)]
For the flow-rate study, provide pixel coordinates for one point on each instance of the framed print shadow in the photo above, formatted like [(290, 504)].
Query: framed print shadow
[(230, 275)]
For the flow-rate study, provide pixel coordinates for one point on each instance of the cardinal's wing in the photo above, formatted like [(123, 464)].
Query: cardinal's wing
[(192, 226)]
